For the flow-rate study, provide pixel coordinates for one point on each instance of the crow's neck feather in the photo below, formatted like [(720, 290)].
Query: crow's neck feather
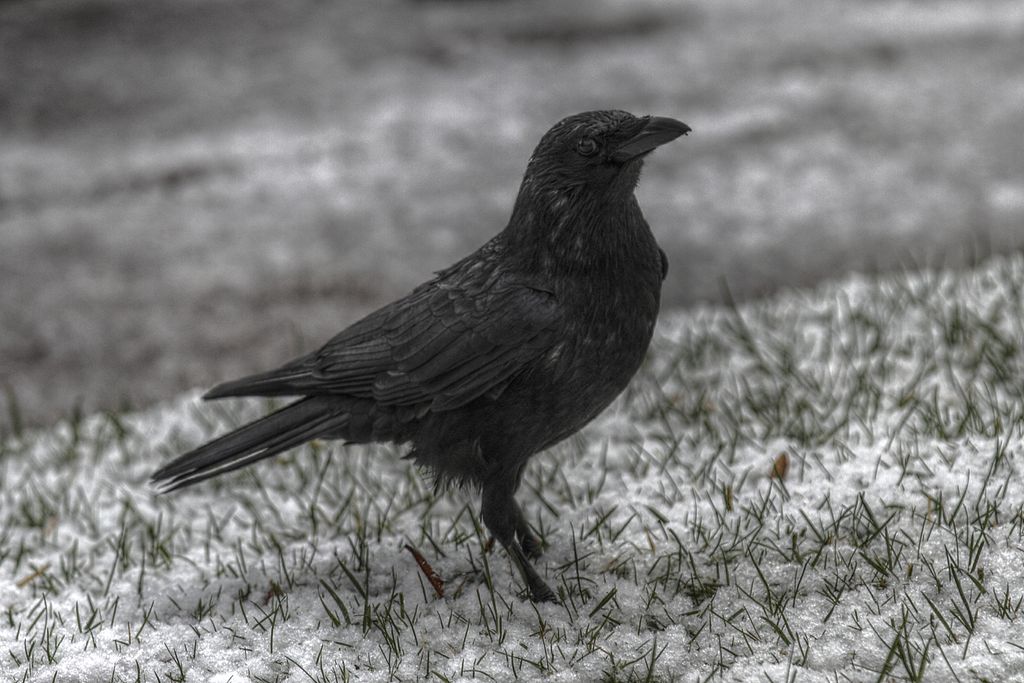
[(577, 231)]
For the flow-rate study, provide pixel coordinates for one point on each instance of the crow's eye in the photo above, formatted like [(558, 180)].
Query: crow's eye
[(586, 146)]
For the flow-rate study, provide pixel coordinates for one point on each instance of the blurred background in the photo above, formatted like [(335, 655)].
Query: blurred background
[(191, 190)]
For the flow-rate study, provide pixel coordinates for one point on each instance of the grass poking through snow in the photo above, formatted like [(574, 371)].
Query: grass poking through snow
[(823, 486)]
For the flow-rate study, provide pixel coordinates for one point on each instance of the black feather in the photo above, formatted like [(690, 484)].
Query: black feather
[(291, 426), (501, 355)]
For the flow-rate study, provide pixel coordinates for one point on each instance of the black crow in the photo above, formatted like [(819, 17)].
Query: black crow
[(499, 356)]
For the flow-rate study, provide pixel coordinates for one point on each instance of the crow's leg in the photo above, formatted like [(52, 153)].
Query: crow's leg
[(527, 539), (501, 515)]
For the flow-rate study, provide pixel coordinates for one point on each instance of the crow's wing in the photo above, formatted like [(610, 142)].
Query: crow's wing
[(440, 347)]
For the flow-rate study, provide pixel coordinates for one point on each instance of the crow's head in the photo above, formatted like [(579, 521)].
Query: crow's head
[(596, 154)]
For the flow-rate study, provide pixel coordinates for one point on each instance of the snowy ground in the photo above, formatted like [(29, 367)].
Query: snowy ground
[(824, 486), (190, 191)]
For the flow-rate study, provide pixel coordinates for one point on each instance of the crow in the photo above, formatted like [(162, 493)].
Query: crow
[(500, 356)]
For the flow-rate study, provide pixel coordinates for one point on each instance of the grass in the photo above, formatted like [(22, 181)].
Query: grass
[(821, 486)]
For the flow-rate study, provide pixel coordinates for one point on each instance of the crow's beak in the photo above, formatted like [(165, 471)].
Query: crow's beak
[(656, 131)]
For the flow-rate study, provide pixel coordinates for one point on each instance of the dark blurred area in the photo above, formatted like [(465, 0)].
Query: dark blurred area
[(190, 191)]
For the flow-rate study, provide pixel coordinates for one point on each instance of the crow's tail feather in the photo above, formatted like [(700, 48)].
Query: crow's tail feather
[(286, 428)]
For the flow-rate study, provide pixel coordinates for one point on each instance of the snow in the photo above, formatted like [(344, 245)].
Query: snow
[(893, 541)]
